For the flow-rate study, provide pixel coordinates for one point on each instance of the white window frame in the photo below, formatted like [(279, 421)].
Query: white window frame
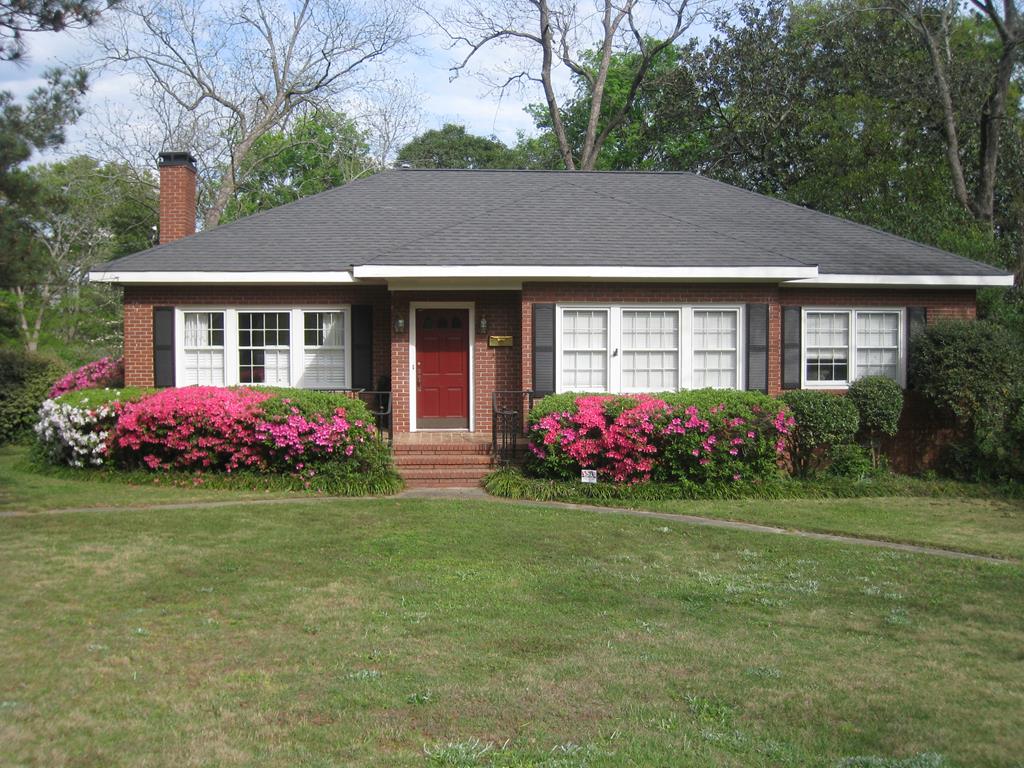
[(181, 350), (853, 313), (741, 358), (299, 315), (685, 346), (296, 341)]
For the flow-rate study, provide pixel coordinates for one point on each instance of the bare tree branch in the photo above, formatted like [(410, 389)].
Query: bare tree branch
[(933, 21), (236, 70), (552, 34)]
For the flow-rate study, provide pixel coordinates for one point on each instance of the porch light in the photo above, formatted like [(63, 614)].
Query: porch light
[(482, 325), (399, 324)]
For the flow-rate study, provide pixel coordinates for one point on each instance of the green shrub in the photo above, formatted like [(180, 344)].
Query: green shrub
[(965, 366), (879, 402), (704, 437), (850, 461), (368, 469), (25, 379), (972, 372), (823, 419), (94, 398), (512, 484)]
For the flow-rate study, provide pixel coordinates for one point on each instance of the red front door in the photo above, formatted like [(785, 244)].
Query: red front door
[(442, 368)]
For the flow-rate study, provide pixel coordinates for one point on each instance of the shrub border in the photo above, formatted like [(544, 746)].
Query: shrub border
[(510, 483)]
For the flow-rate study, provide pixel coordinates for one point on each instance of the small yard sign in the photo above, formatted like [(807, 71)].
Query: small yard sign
[(588, 476)]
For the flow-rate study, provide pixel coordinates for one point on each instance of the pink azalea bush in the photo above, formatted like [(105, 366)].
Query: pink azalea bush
[(687, 437), (219, 429), (105, 372)]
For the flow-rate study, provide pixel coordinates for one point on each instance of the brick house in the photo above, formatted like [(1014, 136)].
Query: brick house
[(444, 287)]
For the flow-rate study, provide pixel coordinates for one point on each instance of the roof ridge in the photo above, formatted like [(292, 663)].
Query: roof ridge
[(690, 223)]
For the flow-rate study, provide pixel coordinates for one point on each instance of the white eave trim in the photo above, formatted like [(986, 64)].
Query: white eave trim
[(179, 278), (906, 281), (585, 273)]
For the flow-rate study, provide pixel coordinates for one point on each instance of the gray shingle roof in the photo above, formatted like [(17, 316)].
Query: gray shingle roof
[(543, 218)]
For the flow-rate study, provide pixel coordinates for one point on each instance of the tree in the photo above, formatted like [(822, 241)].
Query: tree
[(36, 125), (452, 147), (552, 33), (936, 24), (825, 105), (20, 16), (83, 214), (318, 152), (239, 70)]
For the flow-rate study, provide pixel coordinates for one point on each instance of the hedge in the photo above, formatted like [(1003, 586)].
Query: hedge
[(25, 378), (701, 437), (322, 441)]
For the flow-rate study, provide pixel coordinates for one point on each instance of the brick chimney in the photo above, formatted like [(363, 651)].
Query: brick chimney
[(177, 196)]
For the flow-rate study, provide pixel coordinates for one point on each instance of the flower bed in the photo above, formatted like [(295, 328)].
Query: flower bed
[(105, 372), (326, 442), (701, 437), (75, 428)]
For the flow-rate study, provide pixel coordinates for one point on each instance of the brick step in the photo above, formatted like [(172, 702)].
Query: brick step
[(413, 484), (443, 448), (443, 473), (442, 460)]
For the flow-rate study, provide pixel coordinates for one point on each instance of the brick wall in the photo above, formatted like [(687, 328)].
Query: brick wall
[(509, 313), (494, 368), (140, 300), (940, 304)]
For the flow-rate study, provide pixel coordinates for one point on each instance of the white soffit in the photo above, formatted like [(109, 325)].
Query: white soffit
[(179, 278), (391, 272), (905, 281)]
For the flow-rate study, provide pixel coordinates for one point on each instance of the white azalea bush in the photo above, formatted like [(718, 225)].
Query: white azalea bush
[(75, 428), (76, 435)]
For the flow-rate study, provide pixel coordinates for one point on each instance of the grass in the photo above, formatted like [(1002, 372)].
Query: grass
[(985, 526), (973, 518), (27, 487), (398, 632)]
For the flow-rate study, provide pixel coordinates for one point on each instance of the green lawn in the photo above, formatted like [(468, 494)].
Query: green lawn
[(24, 489), (435, 633), (983, 525)]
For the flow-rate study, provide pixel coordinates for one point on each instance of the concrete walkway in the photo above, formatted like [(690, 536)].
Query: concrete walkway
[(478, 494)]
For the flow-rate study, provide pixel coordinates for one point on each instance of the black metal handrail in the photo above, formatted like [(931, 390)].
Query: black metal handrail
[(378, 402), (509, 408)]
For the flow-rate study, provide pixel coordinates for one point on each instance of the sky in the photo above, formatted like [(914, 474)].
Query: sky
[(465, 100)]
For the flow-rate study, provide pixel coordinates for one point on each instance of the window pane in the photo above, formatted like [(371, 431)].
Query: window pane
[(204, 349), (204, 329), (323, 358), (585, 349), (828, 346), (715, 348), (878, 344), (263, 348), (650, 350)]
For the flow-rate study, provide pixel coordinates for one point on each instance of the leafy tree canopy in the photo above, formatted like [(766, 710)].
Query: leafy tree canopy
[(318, 152), (451, 146)]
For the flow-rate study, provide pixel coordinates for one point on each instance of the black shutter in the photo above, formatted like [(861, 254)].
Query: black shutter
[(543, 349), (791, 347), (917, 321), (757, 347), (362, 347), (163, 346)]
